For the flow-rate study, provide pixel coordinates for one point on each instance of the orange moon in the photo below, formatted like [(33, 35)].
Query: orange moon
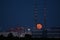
[(39, 26)]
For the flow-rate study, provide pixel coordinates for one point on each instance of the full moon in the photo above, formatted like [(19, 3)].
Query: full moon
[(39, 26)]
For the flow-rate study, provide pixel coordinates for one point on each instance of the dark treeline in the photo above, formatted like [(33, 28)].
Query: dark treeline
[(27, 37), (11, 37)]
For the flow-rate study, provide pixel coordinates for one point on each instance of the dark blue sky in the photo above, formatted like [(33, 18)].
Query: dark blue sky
[(20, 12)]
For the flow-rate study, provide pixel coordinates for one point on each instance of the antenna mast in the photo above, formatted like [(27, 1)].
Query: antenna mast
[(44, 28), (35, 13)]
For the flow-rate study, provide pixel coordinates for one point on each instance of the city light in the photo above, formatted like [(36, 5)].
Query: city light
[(29, 29)]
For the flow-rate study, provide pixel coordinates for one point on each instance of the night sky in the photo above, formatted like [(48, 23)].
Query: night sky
[(21, 12)]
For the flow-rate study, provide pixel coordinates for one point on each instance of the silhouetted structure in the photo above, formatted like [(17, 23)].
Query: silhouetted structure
[(10, 35), (44, 33), (2, 37), (28, 36)]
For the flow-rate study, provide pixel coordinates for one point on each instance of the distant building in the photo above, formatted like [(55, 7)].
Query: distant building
[(54, 32), (50, 33)]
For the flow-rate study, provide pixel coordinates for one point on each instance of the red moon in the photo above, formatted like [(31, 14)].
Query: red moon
[(39, 26)]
